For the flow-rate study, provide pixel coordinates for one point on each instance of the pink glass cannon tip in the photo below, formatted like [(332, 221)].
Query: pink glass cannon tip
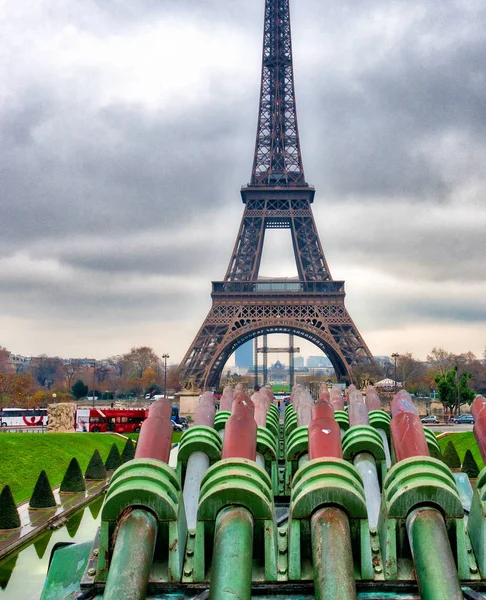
[(478, 407), (226, 399), (205, 411), (324, 396), (243, 398), (357, 411), (478, 410), (239, 387), (304, 411), (324, 433), (240, 431), (406, 429), (372, 399), (261, 403), (336, 399), (403, 403), (156, 434)]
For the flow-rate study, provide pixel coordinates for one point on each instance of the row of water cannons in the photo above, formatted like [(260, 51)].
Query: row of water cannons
[(326, 495)]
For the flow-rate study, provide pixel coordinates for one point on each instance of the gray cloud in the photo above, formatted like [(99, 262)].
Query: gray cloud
[(127, 130)]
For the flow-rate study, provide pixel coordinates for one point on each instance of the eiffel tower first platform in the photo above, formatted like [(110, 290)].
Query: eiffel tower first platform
[(244, 306)]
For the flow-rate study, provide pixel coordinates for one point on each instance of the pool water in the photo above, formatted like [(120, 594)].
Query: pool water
[(22, 575)]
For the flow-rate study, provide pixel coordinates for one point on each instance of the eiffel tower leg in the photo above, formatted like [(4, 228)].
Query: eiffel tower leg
[(291, 361)]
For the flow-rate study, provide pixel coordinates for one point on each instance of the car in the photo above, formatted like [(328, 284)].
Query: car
[(176, 426), (431, 419), (463, 419)]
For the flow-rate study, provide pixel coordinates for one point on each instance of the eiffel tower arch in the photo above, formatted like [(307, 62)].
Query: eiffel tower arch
[(245, 306)]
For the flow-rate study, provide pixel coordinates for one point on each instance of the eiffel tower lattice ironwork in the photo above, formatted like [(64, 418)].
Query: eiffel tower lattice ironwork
[(244, 306)]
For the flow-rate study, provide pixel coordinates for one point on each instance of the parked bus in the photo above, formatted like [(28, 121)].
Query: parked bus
[(119, 420), (21, 417)]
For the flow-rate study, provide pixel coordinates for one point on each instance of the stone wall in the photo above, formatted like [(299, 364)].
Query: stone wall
[(60, 418)]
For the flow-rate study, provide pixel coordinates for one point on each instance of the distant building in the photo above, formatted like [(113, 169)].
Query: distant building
[(315, 362), (298, 361), (244, 355)]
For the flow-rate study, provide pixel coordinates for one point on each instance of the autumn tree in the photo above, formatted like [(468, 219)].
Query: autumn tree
[(138, 360), (70, 369), (5, 362), (15, 389), (440, 361), (46, 370)]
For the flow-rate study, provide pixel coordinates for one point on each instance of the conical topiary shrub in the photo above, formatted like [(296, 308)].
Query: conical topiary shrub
[(450, 457), (114, 459), (9, 516), (469, 465), (128, 451), (73, 480), (42, 496), (95, 469)]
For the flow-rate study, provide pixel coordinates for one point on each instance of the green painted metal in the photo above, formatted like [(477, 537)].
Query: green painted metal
[(153, 485), (236, 482), (273, 421), (65, 571), (432, 443), (289, 409), (297, 445), (231, 575), (477, 522), (199, 438), (414, 482), (434, 563), (132, 558), (332, 555), (342, 419), (290, 424), (267, 447), (362, 438), (322, 483), (379, 419), (219, 420)]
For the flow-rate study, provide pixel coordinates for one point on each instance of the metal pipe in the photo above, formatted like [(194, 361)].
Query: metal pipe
[(260, 460), (132, 558), (332, 555), (197, 465), (304, 459), (366, 465), (233, 553), (432, 555), (386, 447)]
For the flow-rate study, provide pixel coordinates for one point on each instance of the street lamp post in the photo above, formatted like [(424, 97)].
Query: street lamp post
[(395, 356), (165, 357), (94, 381)]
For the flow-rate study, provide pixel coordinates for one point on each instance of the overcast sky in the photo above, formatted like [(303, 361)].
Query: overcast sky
[(127, 129)]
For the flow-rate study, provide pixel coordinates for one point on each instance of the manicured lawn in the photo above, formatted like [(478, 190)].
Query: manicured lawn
[(176, 436), (462, 441), (24, 455)]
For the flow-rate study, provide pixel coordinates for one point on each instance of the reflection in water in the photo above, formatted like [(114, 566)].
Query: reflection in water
[(22, 576), (95, 506), (74, 522), (6, 569), (41, 543)]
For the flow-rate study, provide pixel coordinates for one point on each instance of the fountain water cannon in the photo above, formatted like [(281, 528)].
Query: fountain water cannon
[(327, 494), (236, 512), (267, 444), (421, 497), (297, 447), (199, 448), (363, 445), (477, 515), (142, 515), (380, 420), (337, 401)]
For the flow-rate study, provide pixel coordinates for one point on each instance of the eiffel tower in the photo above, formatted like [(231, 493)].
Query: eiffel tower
[(244, 306)]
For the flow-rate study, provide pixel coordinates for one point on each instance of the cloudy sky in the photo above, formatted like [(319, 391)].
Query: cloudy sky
[(127, 129)]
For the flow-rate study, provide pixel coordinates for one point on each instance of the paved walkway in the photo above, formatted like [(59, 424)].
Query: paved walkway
[(34, 521)]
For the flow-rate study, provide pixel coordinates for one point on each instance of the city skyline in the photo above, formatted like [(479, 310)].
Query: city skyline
[(124, 153)]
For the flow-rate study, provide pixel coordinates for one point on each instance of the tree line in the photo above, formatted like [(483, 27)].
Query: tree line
[(45, 379)]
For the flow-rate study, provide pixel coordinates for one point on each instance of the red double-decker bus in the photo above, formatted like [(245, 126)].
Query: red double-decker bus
[(110, 419)]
